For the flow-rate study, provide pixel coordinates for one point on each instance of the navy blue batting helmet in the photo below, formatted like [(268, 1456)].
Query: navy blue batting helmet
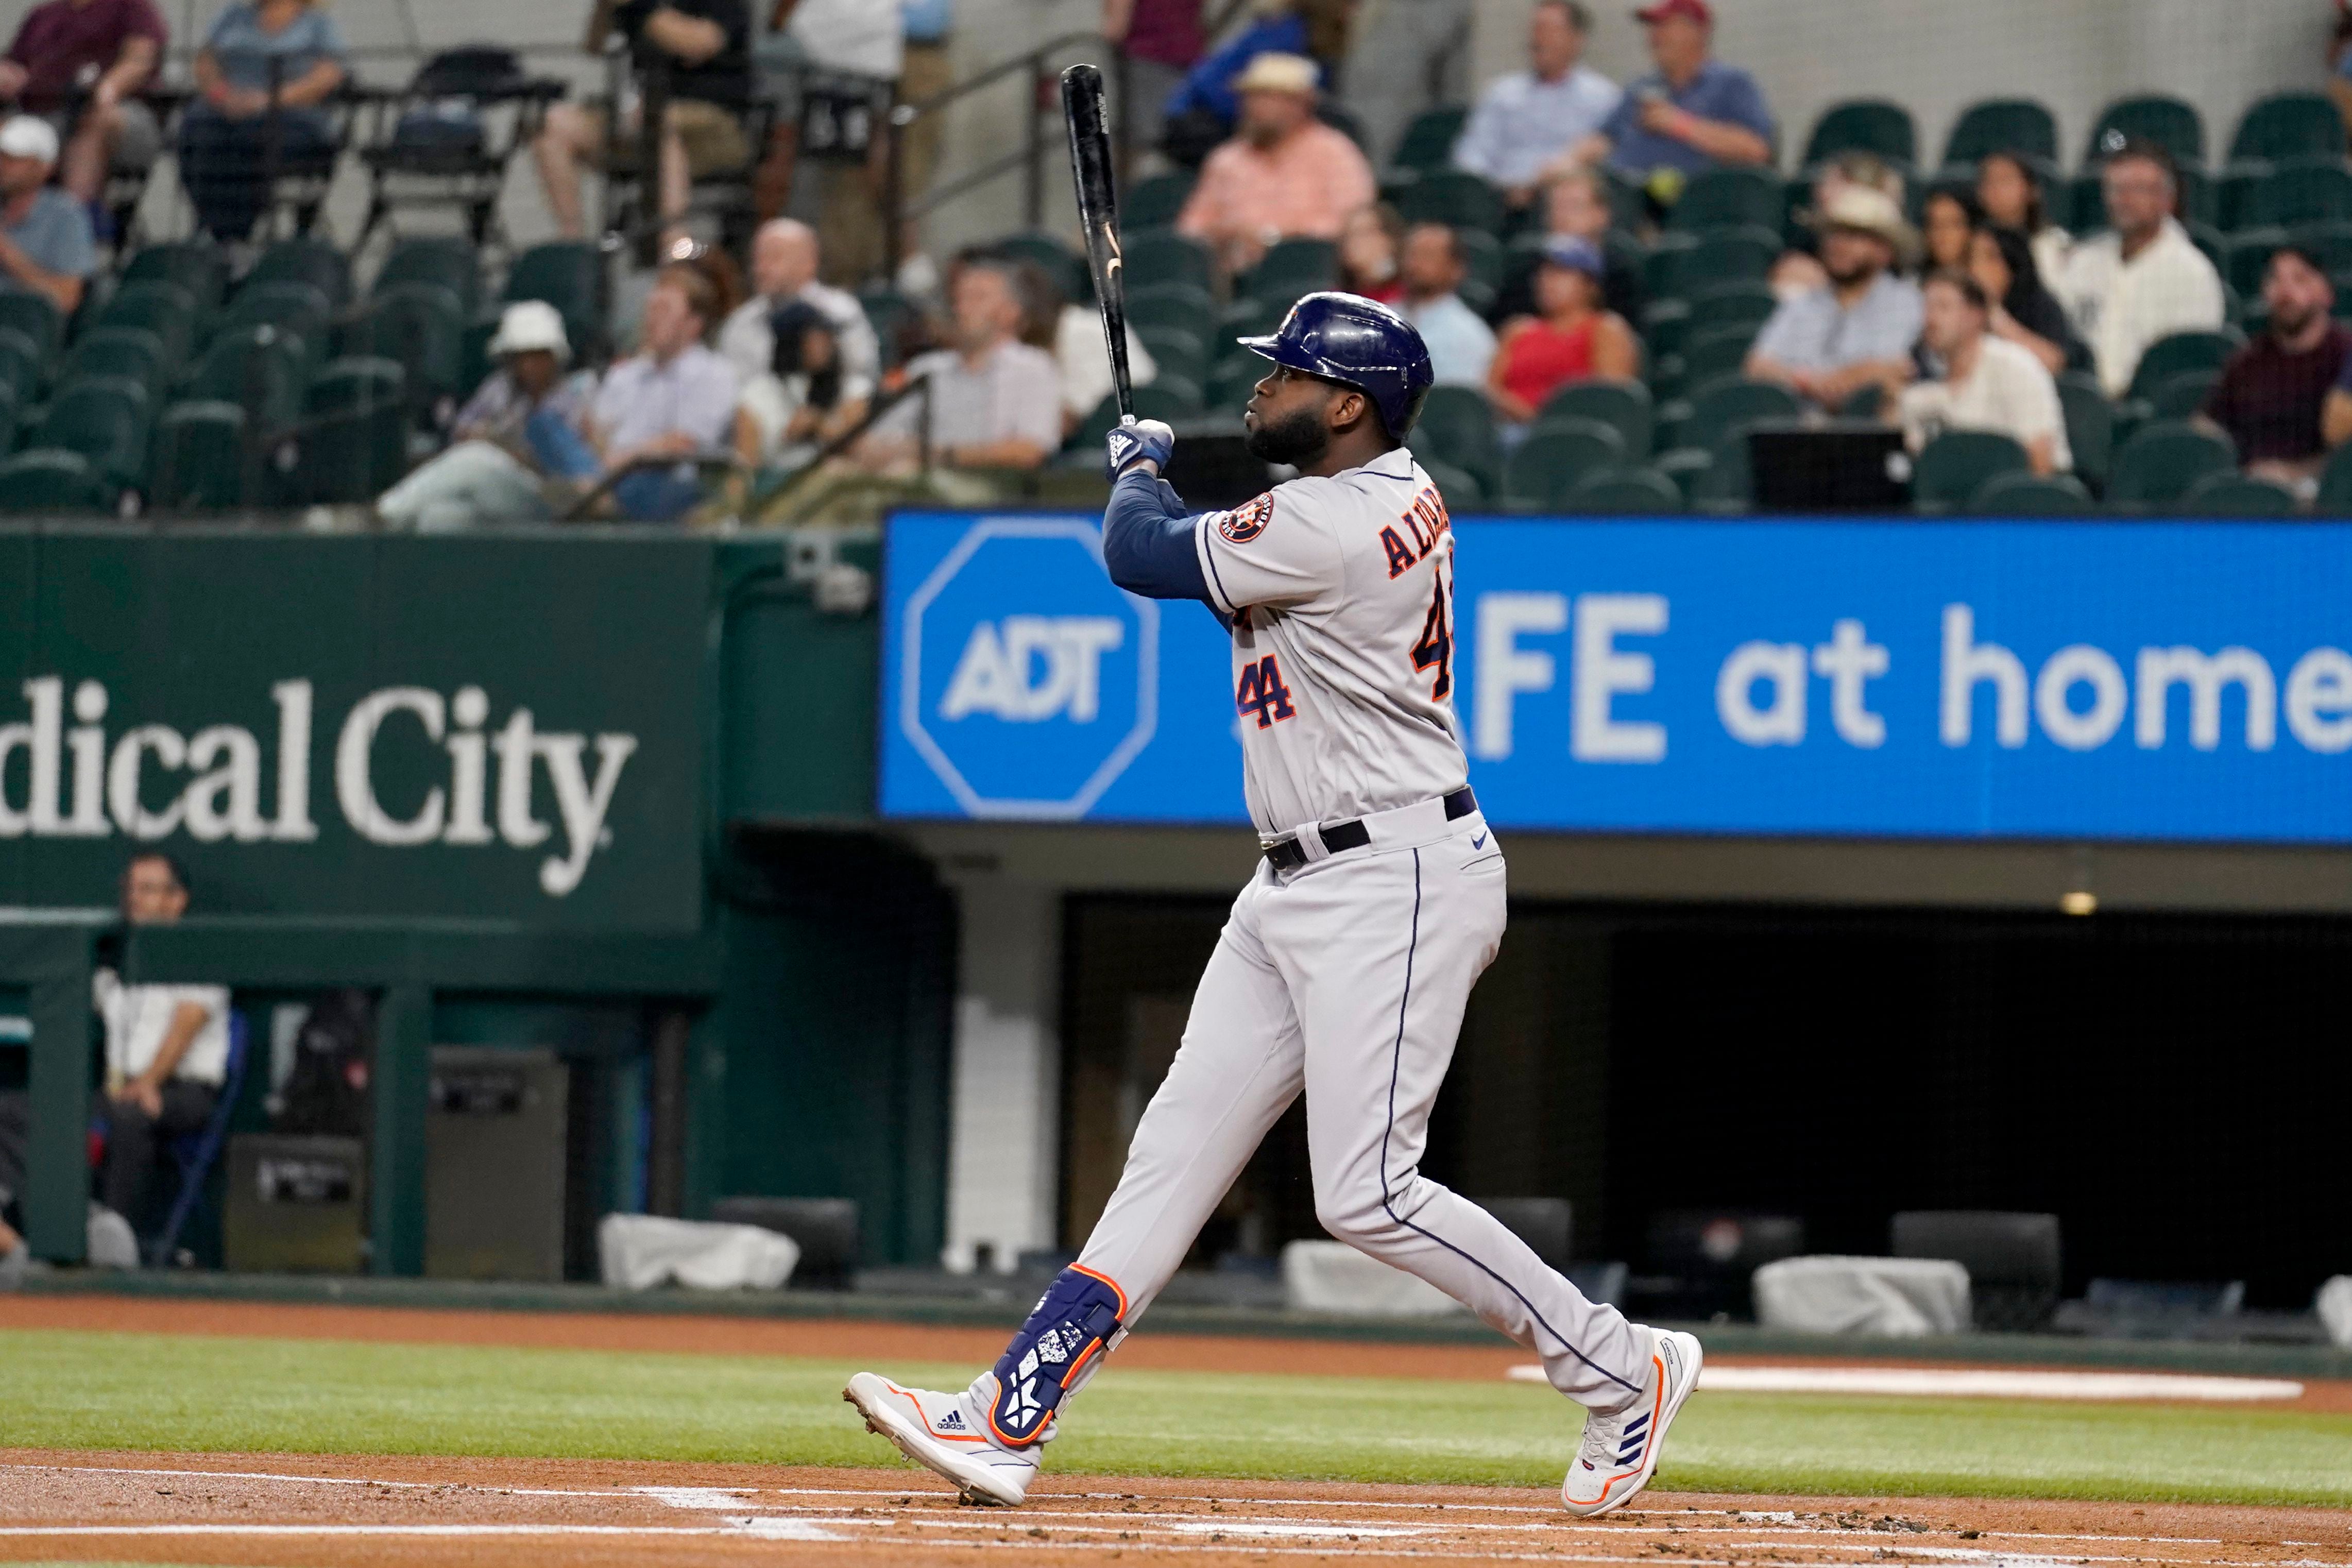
[(1364, 344)]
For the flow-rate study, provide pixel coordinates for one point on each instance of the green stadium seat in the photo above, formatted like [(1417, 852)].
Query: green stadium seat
[(357, 383), (1872, 125), (2246, 256), (1555, 454), (1728, 482), (1166, 256), (2169, 122), (303, 259), (2003, 125), (2329, 243), (474, 352), (163, 309), (1245, 318), (201, 269), (347, 457), (292, 307), (132, 352), (1624, 492), (2301, 191), (1665, 325), (1679, 269), (1711, 355), (1686, 468), (1956, 465), (1742, 304), (2288, 125), (887, 312), (2022, 494), (2157, 467), (8, 419), (1177, 352), (1453, 197), (567, 274), (198, 459), (52, 482), (2181, 352), (1482, 260), (20, 364), (1155, 202), (1064, 268), (1457, 427), (444, 261), (2335, 498), (1292, 268), (2238, 495), (1623, 406), (420, 327), (1170, 398), (261, 369), (1184, 306), (42, 324), (2090, 425), (1727, 197), (103, 418), (1732, 405), (1231, 381), (1460, 487), (2178, 397), (1428, 140)]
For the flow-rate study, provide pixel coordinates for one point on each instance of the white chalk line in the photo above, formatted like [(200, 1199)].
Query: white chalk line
[(1969, 1383)]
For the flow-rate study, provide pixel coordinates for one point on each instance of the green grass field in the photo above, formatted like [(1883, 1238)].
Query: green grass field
[(129, 1391)]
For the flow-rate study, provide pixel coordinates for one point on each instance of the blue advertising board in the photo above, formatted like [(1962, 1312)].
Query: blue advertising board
[(1999, 679)]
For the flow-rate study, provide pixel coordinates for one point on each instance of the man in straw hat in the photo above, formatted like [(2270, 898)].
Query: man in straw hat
[(1284, 174), (1858, 328)]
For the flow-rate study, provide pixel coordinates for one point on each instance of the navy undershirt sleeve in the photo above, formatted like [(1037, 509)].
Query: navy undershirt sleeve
[(1148, 541)]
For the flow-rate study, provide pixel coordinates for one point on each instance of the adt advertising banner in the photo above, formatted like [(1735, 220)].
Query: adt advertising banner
[(2173, 680)]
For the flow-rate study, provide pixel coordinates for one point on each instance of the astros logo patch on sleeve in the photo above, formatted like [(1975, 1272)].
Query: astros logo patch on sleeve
[(1245, 522)]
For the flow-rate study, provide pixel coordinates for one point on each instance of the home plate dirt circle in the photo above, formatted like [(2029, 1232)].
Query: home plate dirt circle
[(453, 1513)]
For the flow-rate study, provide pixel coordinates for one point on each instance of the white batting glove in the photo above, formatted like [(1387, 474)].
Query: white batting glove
[(1137, 441)]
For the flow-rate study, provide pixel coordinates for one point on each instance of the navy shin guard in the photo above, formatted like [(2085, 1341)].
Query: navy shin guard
[(1076, 1320)]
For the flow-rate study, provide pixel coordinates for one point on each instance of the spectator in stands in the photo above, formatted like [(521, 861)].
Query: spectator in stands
[(45, 237), (2010, 191), (2024, 311), (1460, 346), (523, 426), (1530, 124), (1073, 334), (80, 65), (1575, 338), (1692, 113), (1798, 270), (784, 258), (995, 402), (1284, 175), (676, 398), (1858, 328), (2145, 279), (798, 401), (1160, 40), (1407, 57), (1576, 205), (1946, 222), (166, 1051), (706, 47), (2271, 392), (1988, 384), (1367, 253), (229, 136)]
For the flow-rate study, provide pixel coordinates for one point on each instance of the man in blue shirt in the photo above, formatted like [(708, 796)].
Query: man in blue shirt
[(45, 246), (1692, 113), (1528, 120), (1857, 328)]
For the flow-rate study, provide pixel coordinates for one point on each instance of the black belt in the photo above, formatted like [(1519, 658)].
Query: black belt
[(1352, 834)]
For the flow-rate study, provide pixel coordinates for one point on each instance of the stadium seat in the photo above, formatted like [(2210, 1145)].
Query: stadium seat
[(1294, 266), (52, 482), (2003, 125), (1453, 197), (132, 352), (1624, 491), (198, 458), (2031, 495), (360, 382), (1168, 258), (1428, 140), (1679, 269), (1067, 271), (2163, 460), (887, 312), (1556, 453), (2303, 190), (2171, 356), (2238, 495), (261, 369), (1727, 197), (104, 419), (1177, 350), (42, 324), (444, 260), (2335, 498), (1482, 260), (1870, 125), (2329, 243), (2246, 256), (1710, 355), (346, 457), (566, 274), (1743, 304), (1184, 306), (303, 259), (2288, 125), (8, 419), (1230, 381), (163, 309), (199, 269), (296, 308), (1663, 326), (1460, 487), (420, 327), (1247, 316), (20, 364), (2090, 425), (1728, 482), (1957, 464), (1623, 406), (1457, 427), (1732, 405), (1155, 202), (2169, 122), (1685, 468), (2178, 397)]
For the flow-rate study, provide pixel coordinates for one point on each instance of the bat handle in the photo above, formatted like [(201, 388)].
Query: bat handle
[(1127, 418)]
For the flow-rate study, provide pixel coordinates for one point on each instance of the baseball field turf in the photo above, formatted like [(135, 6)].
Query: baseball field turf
[(68, 1389)]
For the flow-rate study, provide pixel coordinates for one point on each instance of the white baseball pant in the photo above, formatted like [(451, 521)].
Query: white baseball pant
[(1348, 978)]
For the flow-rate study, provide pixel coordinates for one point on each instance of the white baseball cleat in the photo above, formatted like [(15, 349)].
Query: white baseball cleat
[(943, 1433), (1621, 1447)]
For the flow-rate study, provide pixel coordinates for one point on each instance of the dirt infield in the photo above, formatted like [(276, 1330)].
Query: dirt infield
[(393, 1513), (865, 1340)]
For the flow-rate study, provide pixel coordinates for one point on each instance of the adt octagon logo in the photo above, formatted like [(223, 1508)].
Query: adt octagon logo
[(1027, 681)]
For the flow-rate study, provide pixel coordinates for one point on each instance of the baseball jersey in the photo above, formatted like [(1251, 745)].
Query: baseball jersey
[(1339, 594)]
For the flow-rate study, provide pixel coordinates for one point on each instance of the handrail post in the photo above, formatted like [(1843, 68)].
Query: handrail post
[(1033, 194)]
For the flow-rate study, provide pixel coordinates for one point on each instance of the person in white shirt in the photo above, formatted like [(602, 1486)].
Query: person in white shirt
[(1086, 369), (2144, 280), (1989, 382), (995, 401), (1527, 123), (784, 259), (1431, 267), (166, 1050)]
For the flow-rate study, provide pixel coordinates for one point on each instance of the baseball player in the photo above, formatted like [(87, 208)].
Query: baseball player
[(1346, 962)]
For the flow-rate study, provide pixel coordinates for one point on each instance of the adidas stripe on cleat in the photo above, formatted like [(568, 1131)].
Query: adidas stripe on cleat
[(1621, 1448), (941, 1432)]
